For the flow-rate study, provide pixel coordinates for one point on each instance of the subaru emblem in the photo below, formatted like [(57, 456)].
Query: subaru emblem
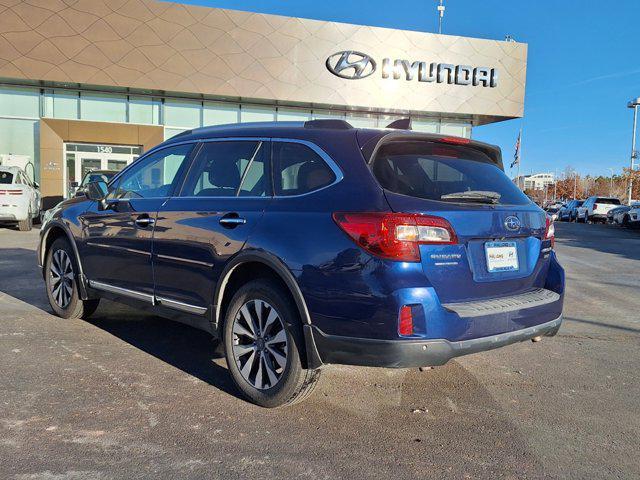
[(351, 65), (512, 223)]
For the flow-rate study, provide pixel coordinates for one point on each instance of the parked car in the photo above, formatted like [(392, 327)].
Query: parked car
[(20, 199), (616, 215), (304, 244), (77, 189), (595, 209), (632, 217), (568, 212)]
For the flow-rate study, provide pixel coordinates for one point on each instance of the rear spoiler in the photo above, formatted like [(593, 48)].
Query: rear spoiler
[(372, 145)]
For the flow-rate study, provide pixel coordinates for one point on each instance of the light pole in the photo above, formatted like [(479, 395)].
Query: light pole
[(633, 104), (441, 9), (611, 182)]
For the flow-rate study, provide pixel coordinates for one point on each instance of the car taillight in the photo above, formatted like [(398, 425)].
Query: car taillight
[(395, 236), (550, 232), (11, 192)]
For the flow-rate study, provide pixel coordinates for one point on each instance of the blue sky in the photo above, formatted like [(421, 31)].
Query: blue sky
[(584, 66)]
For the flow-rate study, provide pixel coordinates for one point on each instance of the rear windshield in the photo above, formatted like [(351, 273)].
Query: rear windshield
[(448, 173), (6, 178), (610, 201)]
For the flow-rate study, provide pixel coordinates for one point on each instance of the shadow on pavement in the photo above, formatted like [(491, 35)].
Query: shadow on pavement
[(601, 238), (186, 348), (20, 277), (603, 324)]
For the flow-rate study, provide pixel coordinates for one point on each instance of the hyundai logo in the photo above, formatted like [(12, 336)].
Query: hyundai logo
[(512, 223), (351, 65)]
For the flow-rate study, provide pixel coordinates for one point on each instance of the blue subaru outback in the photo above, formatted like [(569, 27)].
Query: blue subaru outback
[(298, 245)]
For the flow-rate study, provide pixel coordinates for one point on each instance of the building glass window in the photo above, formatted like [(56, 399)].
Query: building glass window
[(103, 108), (62, 104), (328, 114), (21, 137), (144, 110), (425, 125), (220, 113), (172, 132), (456, 129), (250, 113), (363, 121), (182, 114), (293, 115), (20, 102)]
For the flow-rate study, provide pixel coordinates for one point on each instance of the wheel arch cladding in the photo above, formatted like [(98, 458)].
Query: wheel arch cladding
[(54, 232), (249, 266)]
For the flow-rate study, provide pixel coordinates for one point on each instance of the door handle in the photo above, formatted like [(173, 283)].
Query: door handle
[(144, 221), (232, 220)]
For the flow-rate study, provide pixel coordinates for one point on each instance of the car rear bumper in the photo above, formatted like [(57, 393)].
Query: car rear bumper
[(405, 353), (12, 213)]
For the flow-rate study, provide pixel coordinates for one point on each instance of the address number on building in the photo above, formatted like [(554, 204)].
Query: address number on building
[(105, 149)]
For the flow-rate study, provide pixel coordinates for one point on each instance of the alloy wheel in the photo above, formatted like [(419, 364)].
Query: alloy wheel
[(260, 346), (61, 276)]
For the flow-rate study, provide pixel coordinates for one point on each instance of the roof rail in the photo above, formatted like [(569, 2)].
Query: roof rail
[(328, 123), (401, 124)]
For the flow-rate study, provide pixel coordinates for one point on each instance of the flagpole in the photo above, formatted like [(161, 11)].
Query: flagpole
[(519, 159)]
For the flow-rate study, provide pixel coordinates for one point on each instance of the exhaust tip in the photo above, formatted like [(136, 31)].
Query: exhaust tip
[(536, 339)]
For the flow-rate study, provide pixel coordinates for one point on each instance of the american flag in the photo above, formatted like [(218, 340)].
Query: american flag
[(516, 155)]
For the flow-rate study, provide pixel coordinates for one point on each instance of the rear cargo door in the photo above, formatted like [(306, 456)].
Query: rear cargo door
[(500, 249)]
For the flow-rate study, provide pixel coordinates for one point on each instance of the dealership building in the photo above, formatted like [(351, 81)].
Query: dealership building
[(92, 84)]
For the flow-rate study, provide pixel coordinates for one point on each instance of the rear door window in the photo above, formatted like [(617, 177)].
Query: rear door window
[(609, 201), (440, 172), (297, 169)]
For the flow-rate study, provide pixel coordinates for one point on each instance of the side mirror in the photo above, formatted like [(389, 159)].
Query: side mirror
[(74, 184), (36, 185), (97, 191)]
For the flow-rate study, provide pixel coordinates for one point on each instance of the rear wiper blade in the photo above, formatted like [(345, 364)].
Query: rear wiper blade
[(479, 196)]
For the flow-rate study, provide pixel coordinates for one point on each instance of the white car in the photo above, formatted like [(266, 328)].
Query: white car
[(19, 198), (595, 209), (633, 216)]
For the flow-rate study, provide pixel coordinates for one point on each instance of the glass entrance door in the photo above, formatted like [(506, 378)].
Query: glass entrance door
[(82, 158), (89, 162)]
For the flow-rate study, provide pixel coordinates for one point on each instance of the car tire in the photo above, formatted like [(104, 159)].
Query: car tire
[(26, 224), (626, 221), (586, 218), (61, 281), (264, 346)]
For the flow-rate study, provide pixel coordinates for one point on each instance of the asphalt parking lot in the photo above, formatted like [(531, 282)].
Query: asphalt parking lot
[(127, 396)]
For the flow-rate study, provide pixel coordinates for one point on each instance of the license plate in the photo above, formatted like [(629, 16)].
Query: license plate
[(501, 256)]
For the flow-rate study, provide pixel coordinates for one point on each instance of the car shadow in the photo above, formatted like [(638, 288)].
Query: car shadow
[(191, 350), (612, 239)]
